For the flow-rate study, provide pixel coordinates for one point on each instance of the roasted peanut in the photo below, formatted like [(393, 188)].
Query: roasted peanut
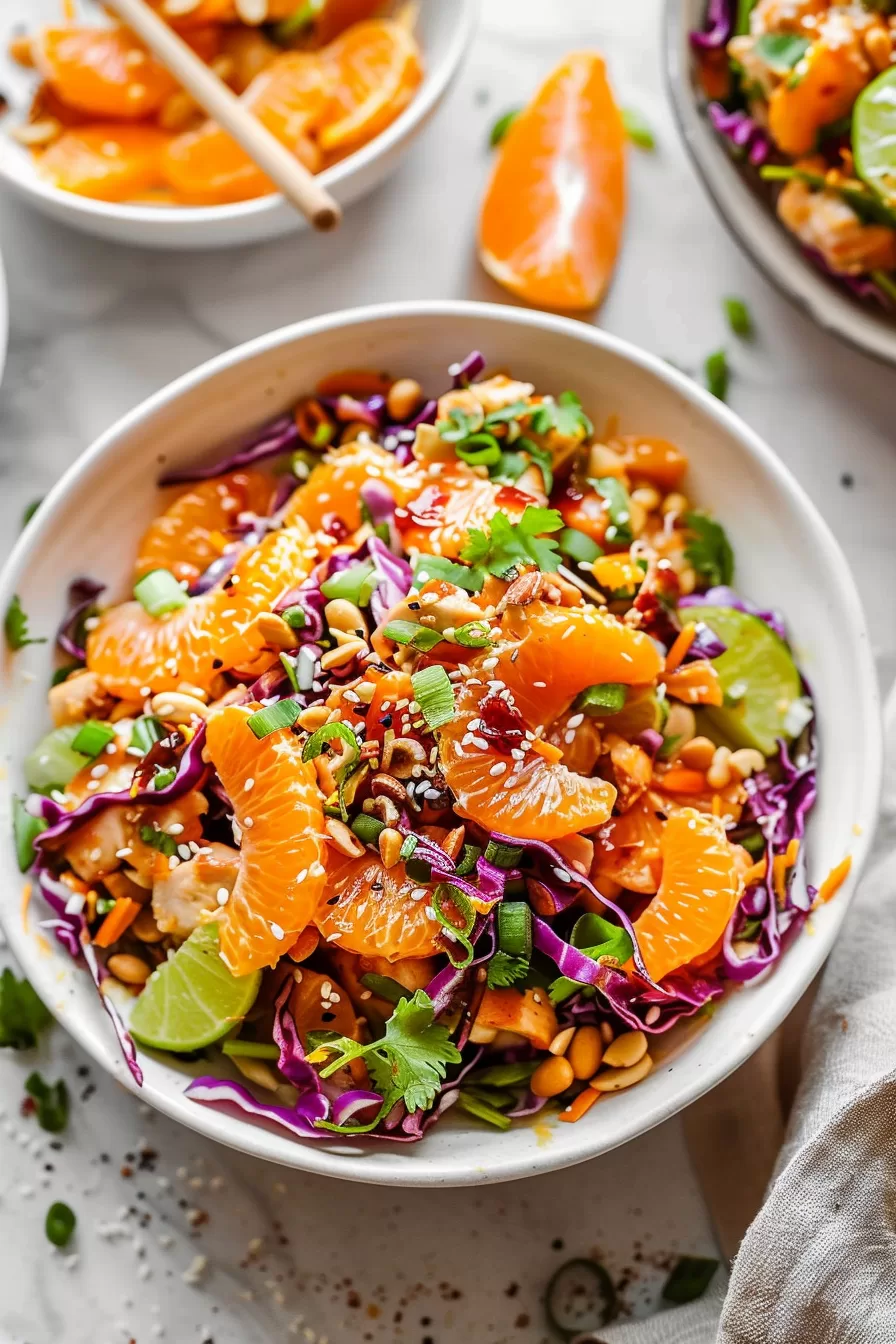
[(128, 969), (626, 1051), (552, 1077), (403, 398), (585, 1052)]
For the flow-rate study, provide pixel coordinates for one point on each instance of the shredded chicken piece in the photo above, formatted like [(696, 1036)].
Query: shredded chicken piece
[(182, 896), (824, 221)]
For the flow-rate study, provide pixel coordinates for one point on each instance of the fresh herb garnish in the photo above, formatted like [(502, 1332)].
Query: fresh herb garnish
[(504, 970), (421, 637), (147, 731), (434, 694), (619, 508), (502, 126), (607, 697), (50, 1102), (160, 840), (15, 626), (22, 1014), (708, 549), (715, 368), (781, 51), (437, 567), (59, 1224), (295, 617), (868, 208), (458, 906), (508, 546), (579, 546), (597, 938), (384, 987), (159, 592), (481, 1109), (738, 315), (565, 416), (272, 718), (324, 736), (93, 737), (637, 129), (355, 584)]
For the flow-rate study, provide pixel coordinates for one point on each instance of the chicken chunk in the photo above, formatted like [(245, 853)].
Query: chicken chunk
[(824, 221), (181, 896), (79, 697)]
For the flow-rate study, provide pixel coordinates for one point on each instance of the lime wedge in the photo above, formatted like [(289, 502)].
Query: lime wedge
[(192, 999), (757, 673), (874, 135)]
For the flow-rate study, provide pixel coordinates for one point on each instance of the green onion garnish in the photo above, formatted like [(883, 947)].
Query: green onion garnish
[(409, 632), (384, 987), (160, 840), (474, 635), (162, 778), (272, 718), (467, 861), (251, 1049), (505, 1075), (147, 731), (637, 129), (59, 1224), (434, 694), (352, 584), (716, 371), (503, 856), (294, 617), (327, 733), (619, 508), (159, 592), (502, 126), (607, 697), (738, 315), (437, 567), (300, 19), (473, 1105), (93, 737), (409, 844), (579, 546), (515, 928), (25, 830), (15, 626), (367, 828), (479, 450), (446, 893), (290, 667), (50, 1102)]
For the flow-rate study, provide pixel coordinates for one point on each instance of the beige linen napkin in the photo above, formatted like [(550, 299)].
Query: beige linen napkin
[(818, 1263)]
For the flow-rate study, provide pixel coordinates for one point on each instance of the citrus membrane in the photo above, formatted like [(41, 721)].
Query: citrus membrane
[(192, 999), (759, 678), (874, 135)]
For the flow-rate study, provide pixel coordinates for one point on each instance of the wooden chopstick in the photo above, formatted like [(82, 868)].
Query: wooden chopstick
[(295, 181)]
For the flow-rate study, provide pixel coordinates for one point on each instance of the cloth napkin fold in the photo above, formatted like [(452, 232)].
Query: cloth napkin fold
[(817, 1265)]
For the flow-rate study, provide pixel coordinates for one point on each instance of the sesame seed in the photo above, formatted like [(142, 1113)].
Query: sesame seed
[(498, 768), (574, 720), (250, 783), (123, 853), (277, 931), (175, 828), (222, 895), (184, 852)]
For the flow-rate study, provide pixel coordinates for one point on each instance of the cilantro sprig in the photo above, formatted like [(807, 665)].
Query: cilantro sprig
[(505, 969), (407, 1064), (508, 546), (709, 550), (15, 626), (565, 416), (22, 1014), (50, 1102)]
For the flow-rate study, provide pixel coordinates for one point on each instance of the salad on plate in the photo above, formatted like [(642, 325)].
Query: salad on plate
[(434, 763), (805, 92)]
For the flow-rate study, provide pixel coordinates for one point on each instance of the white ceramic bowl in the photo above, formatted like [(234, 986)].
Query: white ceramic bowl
[(786, 556), (746, 208), (444, 32), (4, 319)]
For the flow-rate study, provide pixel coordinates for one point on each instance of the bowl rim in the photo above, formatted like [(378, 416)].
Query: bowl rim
[(402, 128), (766, 243), (444, 1172)]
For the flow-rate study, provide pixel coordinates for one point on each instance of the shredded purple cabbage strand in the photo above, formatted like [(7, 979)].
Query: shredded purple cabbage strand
[(719, 26), (82, 595)]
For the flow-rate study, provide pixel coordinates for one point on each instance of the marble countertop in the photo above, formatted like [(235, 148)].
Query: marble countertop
[(182, 1240)]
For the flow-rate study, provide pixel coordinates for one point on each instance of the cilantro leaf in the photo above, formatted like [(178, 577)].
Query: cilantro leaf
[(781, 51), (709, 550), (565, 416), (15, 626), (406, 1064), (508, 546), (22, 1014), (50, 1102), (504, 970)]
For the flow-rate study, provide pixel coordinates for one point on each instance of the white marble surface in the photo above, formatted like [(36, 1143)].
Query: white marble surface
[(96, 328)]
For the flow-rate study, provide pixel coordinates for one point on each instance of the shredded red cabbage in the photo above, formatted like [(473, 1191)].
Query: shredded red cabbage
[(742, 131), (861, 286), (361, 410), (270, 441), (719, 26), (299, 1119), (467, 369), (704, 644), (82, 595)]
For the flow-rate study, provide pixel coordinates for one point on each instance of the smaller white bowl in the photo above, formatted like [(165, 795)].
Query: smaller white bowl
[(443, 30), (745, 206)]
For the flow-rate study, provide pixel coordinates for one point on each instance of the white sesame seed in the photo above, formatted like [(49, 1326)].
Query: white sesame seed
[(175, 828), (222, 895), (574, 720), (184, 852), (277, 932), (498, 768), (249, 784), (124, 852)]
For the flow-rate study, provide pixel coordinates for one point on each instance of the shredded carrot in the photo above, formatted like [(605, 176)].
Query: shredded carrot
[(119, 918), (780, 864), (550, 753), (681, 780), (683, 641), (304, 945), (757, 872), (581, 1106), (26, 901), (716, 805), (834, 881)]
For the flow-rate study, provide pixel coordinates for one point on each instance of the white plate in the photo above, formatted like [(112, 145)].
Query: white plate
[(745, 206), (443, 30), (4, 318), (786, 557)]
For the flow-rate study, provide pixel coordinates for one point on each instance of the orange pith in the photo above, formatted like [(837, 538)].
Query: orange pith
[(282, 850), (103, 71), (334, 486), (700, 887), (371, 72), (386, 923), (188, 536), (130, 650), (106, 161), (551, 220)]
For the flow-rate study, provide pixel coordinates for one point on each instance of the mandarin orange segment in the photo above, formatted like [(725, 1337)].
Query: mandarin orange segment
[(130, 650), (563, 650), (528, 797), (551, 221), (334, 486), (627, 849), (700, 887), (375, 913), (695, 683), (371, 71), (279, 810), (222, 11), (107, 162), (655, 460), (438, 519), (103, 71), (192, 531)]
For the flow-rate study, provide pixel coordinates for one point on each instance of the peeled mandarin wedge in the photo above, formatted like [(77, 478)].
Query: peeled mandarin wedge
[(130, 650), (551, 221), (334, 486), (627, 849), (653, 460), (107, 162), (194, 529), (700, 887), (439, 517), (103, 71), (374, 913), (279, 809), (371, 71)]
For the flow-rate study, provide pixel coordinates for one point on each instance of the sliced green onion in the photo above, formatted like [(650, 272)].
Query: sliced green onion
[(607, 697), (481, 1110), (367, 828), (250, 1050), (349, 584), (409, 632), (290, 667), (579, 546), (689, 1279), (434, 694), (272, 718), (437, 567), (637, 129), (505, 1075), (384, 987), (160, 840), (294, 617), (580, 1297), (467, 861), (162, 778), (619, 508), (409, 844), (474, 635), (460, 425), (501, 1099), (50, 1102), (754, 844), (105, 904), (669, 747), (93, 737), (716, 370), (503, 856), (59, 1224), (502, 126), (147, 731), (444, 893), (738, 315), (159, 592), (53, 762), (479, 450), (326, 734), (25, 829), (515, 928)]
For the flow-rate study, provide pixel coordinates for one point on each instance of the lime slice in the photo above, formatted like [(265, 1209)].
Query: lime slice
[(192, 999), (874, 135), (757, 672)]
